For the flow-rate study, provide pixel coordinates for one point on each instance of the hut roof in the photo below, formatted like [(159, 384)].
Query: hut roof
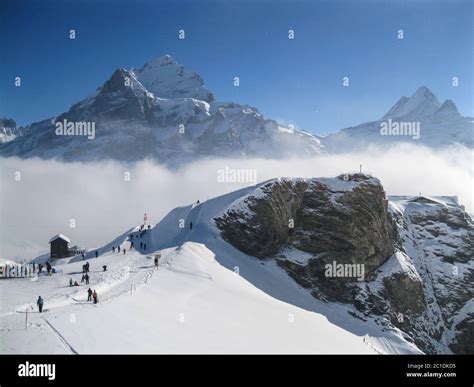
[(60, 236)]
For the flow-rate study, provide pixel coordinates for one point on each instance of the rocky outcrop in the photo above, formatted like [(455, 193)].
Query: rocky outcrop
[(342, 221), (439, 237), (407, 263), (463, 338), (335, 219), (266, 223)]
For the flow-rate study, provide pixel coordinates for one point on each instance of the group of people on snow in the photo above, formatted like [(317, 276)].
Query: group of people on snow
[(49, 268), (92, 296)]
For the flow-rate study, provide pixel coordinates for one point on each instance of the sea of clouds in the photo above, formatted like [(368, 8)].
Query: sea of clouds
[(103, 199)]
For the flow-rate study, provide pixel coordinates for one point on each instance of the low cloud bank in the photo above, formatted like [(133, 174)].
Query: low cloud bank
[(40, 198)]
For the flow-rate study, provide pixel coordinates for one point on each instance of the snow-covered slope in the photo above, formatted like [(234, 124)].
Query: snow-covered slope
[(440, 125), (165, 78), (162, 112), (206, 296)]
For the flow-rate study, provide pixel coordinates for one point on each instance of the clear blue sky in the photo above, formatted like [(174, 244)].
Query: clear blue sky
[(296, 81)]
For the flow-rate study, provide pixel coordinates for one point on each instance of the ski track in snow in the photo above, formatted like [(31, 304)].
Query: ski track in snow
[(61, 338)]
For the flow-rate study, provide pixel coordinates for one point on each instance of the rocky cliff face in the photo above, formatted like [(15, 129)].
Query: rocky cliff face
[(345, 242), (438, 238)]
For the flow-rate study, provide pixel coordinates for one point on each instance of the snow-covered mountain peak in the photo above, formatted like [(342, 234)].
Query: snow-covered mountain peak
[(423, 92), (421, 104), (162, 60), (122, 80), (166, 78), (448, 108), (8, 130)]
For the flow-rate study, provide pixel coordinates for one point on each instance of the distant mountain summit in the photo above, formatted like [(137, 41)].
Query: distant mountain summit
[(162, 112), (165, 78), (439, 124), (8, 130)]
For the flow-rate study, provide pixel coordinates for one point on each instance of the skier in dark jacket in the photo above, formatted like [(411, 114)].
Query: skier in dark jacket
[(96, 253), (113, 249), (118, 249), (104, 267), (87, 279), (40, 304), (89, 294), (70, 282)]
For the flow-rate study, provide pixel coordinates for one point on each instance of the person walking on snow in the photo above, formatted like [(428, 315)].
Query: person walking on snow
[(113, 249), (118, 249), (89, 294), (87, 279), (124, 251), (70, 282), (96, 253), (104, 267), (40, 304), (94, 296)]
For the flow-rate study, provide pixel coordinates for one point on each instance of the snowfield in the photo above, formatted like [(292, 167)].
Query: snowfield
[(205, 297)]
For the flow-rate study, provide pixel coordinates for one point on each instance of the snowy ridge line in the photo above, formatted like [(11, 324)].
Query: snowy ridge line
[(372, 346), (61, 338), (200, 274)]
